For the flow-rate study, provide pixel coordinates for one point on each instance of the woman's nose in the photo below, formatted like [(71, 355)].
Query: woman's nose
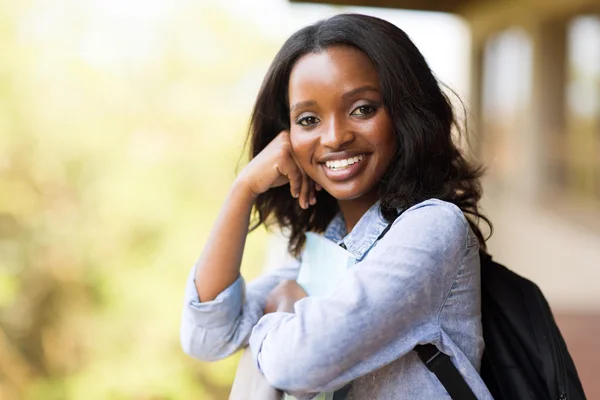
[(336, 134)]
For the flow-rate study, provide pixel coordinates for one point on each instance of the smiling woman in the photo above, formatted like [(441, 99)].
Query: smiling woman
[(351, 137)]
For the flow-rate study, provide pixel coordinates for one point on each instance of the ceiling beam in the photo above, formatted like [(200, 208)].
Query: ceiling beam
[(450, 6)]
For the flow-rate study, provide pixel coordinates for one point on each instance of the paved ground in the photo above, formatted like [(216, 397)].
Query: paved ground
[(582, 334)]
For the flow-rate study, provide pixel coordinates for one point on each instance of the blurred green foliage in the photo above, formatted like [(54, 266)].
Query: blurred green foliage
[(119, 138)]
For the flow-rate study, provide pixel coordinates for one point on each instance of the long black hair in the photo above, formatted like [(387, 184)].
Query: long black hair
[(428, 164)]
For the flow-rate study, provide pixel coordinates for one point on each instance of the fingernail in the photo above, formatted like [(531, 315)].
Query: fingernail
[(313, 201)]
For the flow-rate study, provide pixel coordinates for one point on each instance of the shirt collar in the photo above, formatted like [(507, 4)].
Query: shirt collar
[(363, 236)]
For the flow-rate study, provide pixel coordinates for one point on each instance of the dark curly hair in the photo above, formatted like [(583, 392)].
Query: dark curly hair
[(428, 164)]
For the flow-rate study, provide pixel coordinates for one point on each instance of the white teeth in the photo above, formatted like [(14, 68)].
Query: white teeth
[(342, 164)]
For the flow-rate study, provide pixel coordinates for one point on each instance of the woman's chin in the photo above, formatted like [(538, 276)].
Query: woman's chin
[(347, 194)]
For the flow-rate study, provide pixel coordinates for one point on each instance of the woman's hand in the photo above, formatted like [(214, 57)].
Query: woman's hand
[(275, 166), (284, 296)]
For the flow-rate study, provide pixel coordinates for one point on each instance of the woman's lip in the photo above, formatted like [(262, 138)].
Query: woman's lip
[(341, 155), (347, 173)]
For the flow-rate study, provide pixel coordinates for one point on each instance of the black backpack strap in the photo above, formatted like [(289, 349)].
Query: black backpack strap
[(387, 228), (341, 394), (441, 365)]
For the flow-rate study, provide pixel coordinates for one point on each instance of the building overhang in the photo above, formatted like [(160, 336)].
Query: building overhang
[(450, 6)]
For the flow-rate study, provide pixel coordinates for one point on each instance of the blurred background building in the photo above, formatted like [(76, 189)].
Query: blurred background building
[(121, 126)]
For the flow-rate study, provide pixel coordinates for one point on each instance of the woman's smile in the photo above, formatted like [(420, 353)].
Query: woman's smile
[(341, 169), (340, 164)]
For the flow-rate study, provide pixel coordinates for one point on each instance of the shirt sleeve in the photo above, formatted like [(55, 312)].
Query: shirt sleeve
[(215, 329), (383, 307)]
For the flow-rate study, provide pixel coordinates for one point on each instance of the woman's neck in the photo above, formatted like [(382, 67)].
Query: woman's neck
[(353, 210)]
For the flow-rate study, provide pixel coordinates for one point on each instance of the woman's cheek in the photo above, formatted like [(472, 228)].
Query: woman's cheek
[(302, 151)]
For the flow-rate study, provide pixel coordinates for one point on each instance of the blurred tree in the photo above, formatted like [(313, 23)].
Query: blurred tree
[(118, 140)]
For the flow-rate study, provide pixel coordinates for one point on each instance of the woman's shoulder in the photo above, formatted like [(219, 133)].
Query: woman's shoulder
[(438, 208), (433, 217)]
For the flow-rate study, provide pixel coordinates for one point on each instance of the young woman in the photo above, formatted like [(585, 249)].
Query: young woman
[(350, 129)]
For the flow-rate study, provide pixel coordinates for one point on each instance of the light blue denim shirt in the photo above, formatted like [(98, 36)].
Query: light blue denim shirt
[(419, 284)]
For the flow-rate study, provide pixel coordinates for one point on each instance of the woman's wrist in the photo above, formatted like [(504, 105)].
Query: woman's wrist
[(241, 188)]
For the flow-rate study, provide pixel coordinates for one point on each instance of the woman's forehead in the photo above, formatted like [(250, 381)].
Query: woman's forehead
[(338, 67)]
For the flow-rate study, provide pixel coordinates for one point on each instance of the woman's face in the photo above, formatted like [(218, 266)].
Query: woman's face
[(340, 131)]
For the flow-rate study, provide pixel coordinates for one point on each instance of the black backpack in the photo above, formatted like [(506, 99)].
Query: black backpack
[(525, 356)]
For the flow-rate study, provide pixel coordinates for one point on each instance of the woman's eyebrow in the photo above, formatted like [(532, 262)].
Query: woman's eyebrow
[(354, 92), (351, 93), (303, 104)]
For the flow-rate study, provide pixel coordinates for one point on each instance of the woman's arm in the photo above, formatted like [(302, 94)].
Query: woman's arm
[(218, 312), (215, 329), (219, 265), (385, 305)]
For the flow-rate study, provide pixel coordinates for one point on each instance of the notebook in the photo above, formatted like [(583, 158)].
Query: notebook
[(322, 267)]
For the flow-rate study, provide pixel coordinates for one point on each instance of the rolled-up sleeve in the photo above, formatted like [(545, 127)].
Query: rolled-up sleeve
[(215, 329), (382, 308)]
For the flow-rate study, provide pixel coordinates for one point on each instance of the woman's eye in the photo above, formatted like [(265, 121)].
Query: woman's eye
[(363, 111), (307, 121)]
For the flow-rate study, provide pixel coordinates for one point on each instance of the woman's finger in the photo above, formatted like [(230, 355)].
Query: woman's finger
[(289, 169), (305, 187), (313, 193), (306, 191)]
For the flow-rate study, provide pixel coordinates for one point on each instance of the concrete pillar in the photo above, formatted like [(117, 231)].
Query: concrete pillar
[(475, 125), (547, 106)]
